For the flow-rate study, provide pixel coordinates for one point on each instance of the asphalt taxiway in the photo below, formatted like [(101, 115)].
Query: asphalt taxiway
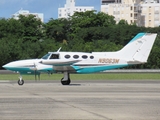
[(82, 100)]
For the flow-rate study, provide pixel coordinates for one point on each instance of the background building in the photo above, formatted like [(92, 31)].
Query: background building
[(69, 9), (26, 13), (143, 13), (150, 14)]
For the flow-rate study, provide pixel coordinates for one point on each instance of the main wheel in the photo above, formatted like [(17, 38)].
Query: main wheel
[(66, 82), (20, 82)]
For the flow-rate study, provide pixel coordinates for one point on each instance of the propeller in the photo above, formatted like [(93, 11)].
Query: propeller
[(36, 73)]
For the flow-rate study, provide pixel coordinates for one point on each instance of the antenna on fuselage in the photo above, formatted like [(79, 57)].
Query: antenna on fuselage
[(59, 49)]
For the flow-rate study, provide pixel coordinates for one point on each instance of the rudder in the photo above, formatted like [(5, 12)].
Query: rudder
[(139, 48)]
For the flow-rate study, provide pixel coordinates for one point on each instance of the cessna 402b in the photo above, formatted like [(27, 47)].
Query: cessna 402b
[(135, 52)]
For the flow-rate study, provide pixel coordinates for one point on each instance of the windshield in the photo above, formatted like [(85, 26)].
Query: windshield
[(45, 56)]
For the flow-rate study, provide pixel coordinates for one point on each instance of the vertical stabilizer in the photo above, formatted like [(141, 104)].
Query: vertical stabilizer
[(139, 48)]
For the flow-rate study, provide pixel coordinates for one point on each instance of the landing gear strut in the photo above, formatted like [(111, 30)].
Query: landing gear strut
[(66, 79), (20, 81)]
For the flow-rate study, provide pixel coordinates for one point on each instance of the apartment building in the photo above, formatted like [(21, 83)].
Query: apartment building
[(150, 14), (26, 13), (69, 9), (143, 13)]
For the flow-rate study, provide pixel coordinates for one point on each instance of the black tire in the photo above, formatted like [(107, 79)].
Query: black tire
[(20, 82), (67, 82)]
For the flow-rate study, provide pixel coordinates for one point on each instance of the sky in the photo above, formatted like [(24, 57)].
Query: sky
[(48, 7)]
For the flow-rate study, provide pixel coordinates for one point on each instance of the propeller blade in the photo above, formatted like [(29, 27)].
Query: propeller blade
[(35, 75), (35, 71)]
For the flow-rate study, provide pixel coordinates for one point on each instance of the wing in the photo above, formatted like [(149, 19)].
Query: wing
[(61, 65), (58, 62)]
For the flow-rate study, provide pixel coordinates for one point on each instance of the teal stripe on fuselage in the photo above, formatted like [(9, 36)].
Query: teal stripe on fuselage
[(26, 70), (23, 70), (96, 68), (18, 69), (78, 69)]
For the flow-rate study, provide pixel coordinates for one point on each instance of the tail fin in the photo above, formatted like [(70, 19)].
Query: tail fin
[(139, 48)]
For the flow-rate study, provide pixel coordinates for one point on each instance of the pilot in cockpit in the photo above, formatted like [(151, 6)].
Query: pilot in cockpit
[(54, 56)]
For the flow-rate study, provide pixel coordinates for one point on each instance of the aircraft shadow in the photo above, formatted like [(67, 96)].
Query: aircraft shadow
[(75, 85)]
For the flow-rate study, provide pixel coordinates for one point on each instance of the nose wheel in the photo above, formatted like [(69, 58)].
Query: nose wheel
[(20, 81)]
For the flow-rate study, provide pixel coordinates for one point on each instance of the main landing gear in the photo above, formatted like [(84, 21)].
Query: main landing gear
[(66, 79), (20, 81)]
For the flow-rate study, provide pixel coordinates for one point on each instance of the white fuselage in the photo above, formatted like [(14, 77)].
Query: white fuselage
[(135, 52), (73, 62)]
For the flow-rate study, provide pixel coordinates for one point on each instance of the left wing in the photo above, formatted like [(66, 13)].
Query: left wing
[(61, 65), (59, 62)]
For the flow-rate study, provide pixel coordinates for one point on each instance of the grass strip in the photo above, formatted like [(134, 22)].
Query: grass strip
[(95, 76)]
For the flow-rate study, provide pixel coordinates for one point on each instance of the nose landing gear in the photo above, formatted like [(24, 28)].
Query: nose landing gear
[(20, 81)]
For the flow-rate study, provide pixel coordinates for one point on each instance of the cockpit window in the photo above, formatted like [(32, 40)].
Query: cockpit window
[(54, 56), (46, 56)]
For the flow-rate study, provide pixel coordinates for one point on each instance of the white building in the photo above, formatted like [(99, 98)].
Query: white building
[(150, 14), (143, 13), (69, 9), (121, 9), (26, 13)]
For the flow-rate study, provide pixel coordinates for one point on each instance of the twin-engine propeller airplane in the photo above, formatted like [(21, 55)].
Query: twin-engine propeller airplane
[(135, 52)]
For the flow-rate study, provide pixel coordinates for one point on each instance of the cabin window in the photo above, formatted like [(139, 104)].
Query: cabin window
[(91, 57), (76, 56), (67, 56), (84, 56), (54, 56)]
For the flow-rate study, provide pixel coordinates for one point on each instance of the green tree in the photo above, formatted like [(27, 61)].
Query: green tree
[(57, 29), (32, 28), (122, 22)]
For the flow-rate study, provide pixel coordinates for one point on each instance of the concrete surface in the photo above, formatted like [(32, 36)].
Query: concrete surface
[(82, 100)]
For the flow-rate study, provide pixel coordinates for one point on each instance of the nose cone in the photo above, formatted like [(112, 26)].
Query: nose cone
[(6, 66), (9, 66)]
